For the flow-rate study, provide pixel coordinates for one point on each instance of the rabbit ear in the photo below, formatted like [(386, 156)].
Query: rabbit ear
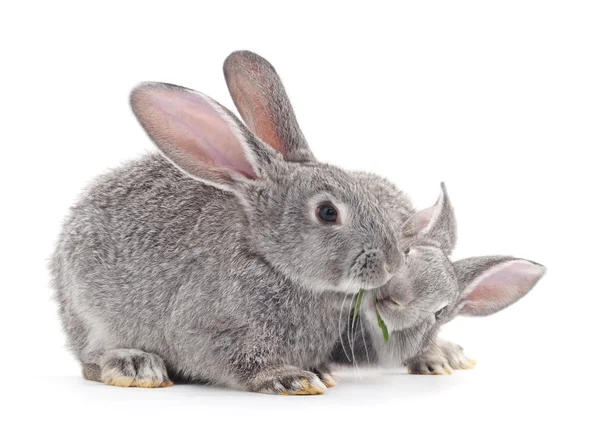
[(436, 223), (489, 284), (199, 136), (263, 103)]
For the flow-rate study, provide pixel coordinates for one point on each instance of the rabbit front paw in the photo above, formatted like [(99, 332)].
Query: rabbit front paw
[(429, 363), (440, 359), (456, 357), (133, 368), (290, 381)]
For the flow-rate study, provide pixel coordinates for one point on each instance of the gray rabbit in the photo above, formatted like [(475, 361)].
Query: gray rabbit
[(224, 259), (428, 291)]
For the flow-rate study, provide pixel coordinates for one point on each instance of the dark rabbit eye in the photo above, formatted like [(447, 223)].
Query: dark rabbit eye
[(327, 213), (406, 251), (440, 312)]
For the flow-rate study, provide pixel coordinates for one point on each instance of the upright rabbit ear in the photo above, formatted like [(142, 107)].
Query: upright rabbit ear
[(263, 103), (489, 284), (436, 223), (199, 136)]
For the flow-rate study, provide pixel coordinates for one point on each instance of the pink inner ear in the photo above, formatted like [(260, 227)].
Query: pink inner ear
[(419, 221), (501, 287), (254, 106), (186, 126)]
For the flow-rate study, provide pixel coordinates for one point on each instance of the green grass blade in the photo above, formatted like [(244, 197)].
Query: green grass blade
[(383, 327), (358, 302)]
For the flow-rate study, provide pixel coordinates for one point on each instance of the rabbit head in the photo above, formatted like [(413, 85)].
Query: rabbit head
[(431, 289), (317, 224)]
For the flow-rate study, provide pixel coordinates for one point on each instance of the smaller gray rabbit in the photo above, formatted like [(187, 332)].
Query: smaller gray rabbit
[(429, 290)]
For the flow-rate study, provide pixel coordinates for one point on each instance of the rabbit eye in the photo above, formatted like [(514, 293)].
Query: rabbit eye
[(406, 251), (440, 312), (327, 213)]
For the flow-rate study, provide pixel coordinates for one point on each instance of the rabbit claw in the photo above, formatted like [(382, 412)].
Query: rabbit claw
[(325, 375), (429, 365), (292, 381)]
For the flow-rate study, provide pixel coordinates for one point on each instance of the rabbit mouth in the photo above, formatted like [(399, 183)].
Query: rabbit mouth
[(384, 297)]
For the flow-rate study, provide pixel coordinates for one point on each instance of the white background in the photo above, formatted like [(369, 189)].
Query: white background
[(499, 99)]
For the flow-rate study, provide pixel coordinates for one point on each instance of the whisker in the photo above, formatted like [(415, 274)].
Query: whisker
[(340, 326), (353, 330), (366, 347), (406, 338), (427, 336), (352, 335), (410, 336), (340, 319), (350, 331)]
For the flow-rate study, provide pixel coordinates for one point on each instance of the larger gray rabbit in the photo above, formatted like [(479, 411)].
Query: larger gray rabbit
[(224, 259)]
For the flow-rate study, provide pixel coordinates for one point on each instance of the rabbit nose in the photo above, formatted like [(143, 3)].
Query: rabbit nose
[(393, 267), (389, 271)]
